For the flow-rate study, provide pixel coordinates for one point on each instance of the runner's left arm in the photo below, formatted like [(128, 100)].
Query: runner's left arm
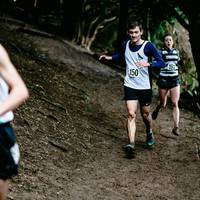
[(151, 51)]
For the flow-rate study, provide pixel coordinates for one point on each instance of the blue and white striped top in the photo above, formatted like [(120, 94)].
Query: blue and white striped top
[(171, 58)]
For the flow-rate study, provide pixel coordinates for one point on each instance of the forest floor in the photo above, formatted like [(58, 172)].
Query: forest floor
[(72, 130)]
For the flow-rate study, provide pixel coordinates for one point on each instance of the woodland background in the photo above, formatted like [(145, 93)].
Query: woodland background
[(100, 26), (72, 129)]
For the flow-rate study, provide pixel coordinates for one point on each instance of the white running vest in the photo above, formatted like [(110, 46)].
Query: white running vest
[(4, 90), (136, 78)]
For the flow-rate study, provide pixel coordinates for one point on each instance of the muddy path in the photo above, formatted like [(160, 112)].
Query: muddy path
[(72, 129)]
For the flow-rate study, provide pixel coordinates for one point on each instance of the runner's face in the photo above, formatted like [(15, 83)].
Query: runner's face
[(135, 35), (168, 42)]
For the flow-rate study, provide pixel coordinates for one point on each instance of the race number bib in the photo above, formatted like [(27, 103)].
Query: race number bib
[(133, 72), (171, 67)]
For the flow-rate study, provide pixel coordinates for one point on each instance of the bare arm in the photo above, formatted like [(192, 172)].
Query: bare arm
[(18, 90), (105, 57)]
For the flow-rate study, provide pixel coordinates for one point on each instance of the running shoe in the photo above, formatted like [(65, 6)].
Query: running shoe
[(150, 140), (129, 148), (155, 114), (175, 131)]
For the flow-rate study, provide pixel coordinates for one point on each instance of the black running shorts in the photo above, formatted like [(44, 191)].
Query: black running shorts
[(143, 96), (168, 82), (9, 152)]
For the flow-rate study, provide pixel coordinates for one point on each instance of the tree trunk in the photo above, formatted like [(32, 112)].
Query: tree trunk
[(71, 17), (123, 19), (194, 41)]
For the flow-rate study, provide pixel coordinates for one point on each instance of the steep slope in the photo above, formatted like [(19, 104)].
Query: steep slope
[(72, 129)]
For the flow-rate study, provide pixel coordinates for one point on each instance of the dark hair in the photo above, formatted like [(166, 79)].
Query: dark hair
[(167, 34), (134, 24)]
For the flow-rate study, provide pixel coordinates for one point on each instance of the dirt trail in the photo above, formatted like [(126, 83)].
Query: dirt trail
[(72, 130)]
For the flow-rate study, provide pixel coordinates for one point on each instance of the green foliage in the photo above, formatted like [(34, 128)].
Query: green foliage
[(106, 40), (188, 76), (163, 28), (187, 70)]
